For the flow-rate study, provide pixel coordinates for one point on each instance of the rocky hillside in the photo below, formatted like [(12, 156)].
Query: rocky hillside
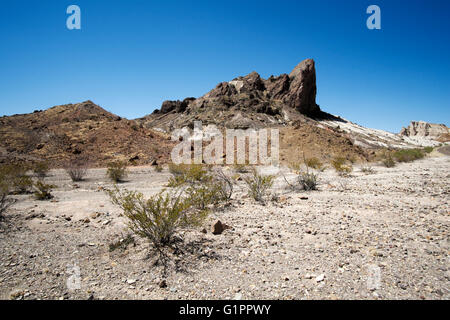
[(82, 130)]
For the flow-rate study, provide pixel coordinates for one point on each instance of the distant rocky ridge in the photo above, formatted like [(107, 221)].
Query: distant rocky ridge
[(433, 131)]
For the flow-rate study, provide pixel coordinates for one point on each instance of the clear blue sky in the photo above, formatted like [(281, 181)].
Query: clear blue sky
[(131, 55)]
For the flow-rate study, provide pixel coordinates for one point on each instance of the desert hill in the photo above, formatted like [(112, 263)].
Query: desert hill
[(85, 130)]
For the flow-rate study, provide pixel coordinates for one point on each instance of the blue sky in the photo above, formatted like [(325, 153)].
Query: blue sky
[(132, 55)]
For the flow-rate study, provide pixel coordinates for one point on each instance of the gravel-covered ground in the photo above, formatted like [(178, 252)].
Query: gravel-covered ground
[(370, 236)]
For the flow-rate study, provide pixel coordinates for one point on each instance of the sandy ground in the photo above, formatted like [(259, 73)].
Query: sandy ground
[(370, 236)]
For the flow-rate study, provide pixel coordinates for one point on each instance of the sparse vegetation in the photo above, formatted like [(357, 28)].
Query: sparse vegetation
[(15, 176), (117, 171), (122, 243), (177, 169), (76, 170), (5, 200), (240, 168), (224, 185), (408, 155), (367, 169), (306, 179), (258, 185), (428, 149), (158, 168), (190, 174), (387, 160), (42, 190), (41, 169), (314, 163), (341, 166), (204, 186), (160, 217)]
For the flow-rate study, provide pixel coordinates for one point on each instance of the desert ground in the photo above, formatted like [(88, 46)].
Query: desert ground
[(383, 235)]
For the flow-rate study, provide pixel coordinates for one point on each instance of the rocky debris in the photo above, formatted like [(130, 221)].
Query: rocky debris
[(219, 227), (162, 284), (396, 219), (425, 129)]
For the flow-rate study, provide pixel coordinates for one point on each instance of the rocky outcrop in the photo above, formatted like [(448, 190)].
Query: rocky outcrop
[(425, 129), (257, 102)]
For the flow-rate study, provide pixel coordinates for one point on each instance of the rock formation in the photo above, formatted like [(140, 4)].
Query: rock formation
[(425, 129), (248, 101)]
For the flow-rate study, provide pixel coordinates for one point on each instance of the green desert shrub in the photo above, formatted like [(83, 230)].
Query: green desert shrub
[(5, 199), (341, 166), (314, 163), (240, 168), (15, 176), (367, 169), (42, 191), (158, 218), (122, 243), (224, 185), (41, 169), (177, 169), (308, 180), (388, 161), (117, 171), (428, 149), (202, 196), (408, 155), (258, 185), (188, 174), (158, 168)]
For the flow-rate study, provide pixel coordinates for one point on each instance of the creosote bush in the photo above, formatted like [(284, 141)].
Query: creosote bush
[(240, 168), (5, 200), (15, 176), (117, 171), (314, 163), (367, 169), (43, 190), (122, 243), (341, 166), (160, 217), (188, 174), (41, 169), (408, 155), (306, 178), (428, 149), (76, 170), (387, 160), (204, 186), (258, 185)]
